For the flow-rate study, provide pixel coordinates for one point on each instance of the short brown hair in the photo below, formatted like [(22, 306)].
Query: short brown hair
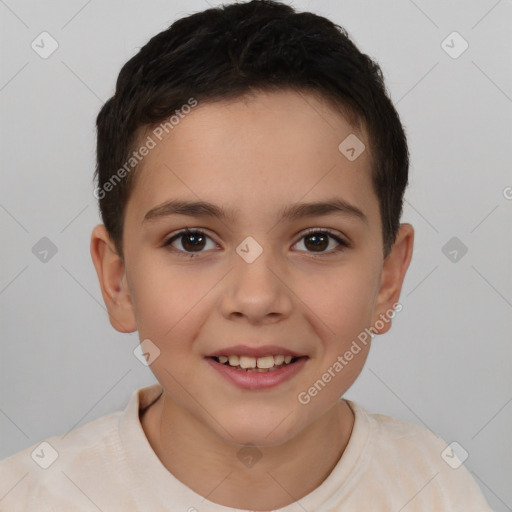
[(226, 52)]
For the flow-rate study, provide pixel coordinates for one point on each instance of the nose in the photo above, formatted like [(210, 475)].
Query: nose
[(257, 289)]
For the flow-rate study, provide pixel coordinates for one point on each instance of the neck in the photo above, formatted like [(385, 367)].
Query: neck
[(281, 475)]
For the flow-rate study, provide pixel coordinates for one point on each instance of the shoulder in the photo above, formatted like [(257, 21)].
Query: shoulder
[(44, 473), (412, 459), (401, 433)]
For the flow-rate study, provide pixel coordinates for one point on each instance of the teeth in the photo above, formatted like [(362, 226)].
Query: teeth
[(247, 362), (278, 360), (265, 362), (259, 364)]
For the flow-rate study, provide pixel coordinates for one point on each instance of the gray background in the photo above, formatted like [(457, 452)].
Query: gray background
[(446, 362)]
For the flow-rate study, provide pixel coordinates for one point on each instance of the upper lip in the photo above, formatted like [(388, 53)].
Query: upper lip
[(260, 351)]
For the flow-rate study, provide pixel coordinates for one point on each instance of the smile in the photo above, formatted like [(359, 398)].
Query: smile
[(256, 364), (246, 372)]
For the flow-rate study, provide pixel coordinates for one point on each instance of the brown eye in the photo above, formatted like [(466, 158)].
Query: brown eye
[(319, 241), (193, 241), (189, 242)]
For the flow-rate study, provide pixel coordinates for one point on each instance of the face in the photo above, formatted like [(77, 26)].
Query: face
[(247, 280)]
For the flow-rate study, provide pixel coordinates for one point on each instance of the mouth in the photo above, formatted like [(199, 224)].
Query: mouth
[(264, 364), (256, 368)]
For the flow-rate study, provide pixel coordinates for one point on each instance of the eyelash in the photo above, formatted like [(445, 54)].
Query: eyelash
[(343, 244)]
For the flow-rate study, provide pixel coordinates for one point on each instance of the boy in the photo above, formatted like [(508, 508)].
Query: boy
[(251, 171)]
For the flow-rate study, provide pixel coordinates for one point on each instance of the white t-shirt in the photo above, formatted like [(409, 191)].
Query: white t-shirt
[(109, 465)]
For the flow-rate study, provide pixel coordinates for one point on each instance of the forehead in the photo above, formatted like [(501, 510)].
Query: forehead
[(253, 152)]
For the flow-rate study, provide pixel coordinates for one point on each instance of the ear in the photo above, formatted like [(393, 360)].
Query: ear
[(112, 277), (393, 273)]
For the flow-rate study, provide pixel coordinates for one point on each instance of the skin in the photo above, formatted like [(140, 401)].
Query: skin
[(256, 155)]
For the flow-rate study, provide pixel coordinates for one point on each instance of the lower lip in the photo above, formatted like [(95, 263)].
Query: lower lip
[(257, 380)]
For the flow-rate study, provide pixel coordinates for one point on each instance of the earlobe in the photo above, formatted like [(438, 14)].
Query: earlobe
[(393, 273), (112, 278)]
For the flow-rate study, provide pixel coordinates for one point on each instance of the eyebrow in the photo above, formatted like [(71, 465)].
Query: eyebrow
[(290, 212)]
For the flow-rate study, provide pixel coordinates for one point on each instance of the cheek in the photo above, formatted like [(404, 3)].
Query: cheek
[(343, 299), (168, 301)]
